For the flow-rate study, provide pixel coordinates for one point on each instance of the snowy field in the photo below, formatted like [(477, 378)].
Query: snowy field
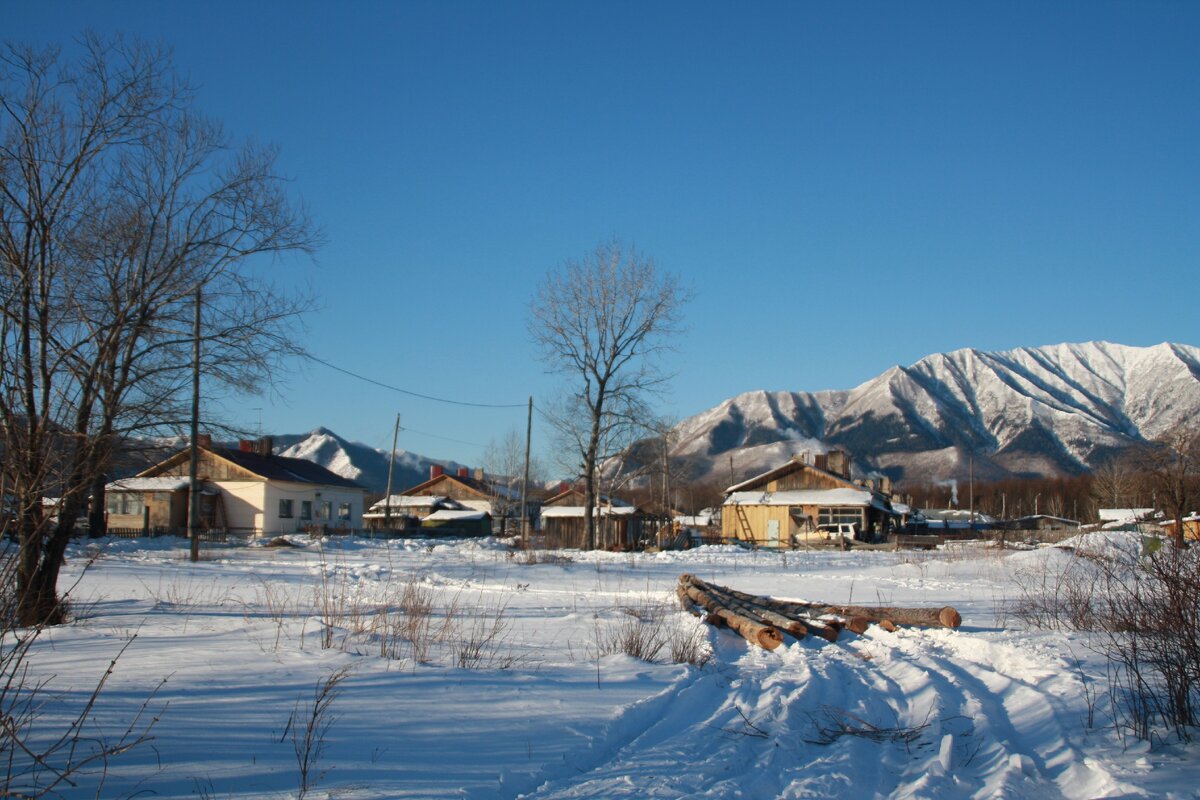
[(468, 672)]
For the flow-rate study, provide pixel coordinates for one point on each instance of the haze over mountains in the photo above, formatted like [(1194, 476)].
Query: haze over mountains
[(1060, 409)]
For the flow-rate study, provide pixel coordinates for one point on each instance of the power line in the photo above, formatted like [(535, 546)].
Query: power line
[(383, 385)]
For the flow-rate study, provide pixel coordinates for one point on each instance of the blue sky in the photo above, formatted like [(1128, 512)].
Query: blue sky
[(845, 187)]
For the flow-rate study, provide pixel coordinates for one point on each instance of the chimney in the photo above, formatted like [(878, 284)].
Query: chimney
[(204, 440), (885, 484), (436, 471), (821, 461), (839, 464), (265, 446), (246, 445), (464, 472)]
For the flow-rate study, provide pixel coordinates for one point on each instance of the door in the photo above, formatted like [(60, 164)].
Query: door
[(772, 533)]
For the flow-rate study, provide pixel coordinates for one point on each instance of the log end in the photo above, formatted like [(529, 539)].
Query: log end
[(949, 617), (888, 625), (769, 638), (858, 624)]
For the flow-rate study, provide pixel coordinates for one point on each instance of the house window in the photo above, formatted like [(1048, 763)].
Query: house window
[(344, 511), (324, 510), (306, 509), (128, 503), (285, 509), (832, 517)]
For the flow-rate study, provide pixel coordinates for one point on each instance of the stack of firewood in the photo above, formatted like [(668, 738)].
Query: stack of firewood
[(764, 620)]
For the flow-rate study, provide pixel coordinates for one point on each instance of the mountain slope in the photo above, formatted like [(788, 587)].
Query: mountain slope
[(1058, 409), (358, 462)]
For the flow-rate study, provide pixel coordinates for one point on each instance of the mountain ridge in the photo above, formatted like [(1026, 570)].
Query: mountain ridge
[(1050, 410)]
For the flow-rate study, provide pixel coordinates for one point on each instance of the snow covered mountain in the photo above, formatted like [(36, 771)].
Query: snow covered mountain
[(358, 462), (1058, 409)]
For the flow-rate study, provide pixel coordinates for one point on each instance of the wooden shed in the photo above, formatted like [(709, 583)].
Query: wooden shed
[(464, 522), (620, 525)]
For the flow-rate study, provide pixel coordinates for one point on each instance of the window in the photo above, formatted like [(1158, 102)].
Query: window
[(306, 509), (285, 509), (124, 503), (832, 517), (325, 510), (344, 511)]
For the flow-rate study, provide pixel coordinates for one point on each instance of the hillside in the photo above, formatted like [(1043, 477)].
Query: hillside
[(1054, 410)]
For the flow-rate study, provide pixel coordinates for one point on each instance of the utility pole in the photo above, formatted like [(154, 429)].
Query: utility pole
[(193, 522), (387, 500), (525, 480)]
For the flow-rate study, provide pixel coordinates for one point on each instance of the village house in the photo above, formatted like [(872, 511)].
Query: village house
[(476, 492), (247, 491), (1191, 527), (807, 503), (620, 525), (405, 511)]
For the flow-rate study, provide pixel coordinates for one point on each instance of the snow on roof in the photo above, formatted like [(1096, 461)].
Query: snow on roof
[(447, 515), (412, 501), (1123, 514), (577, 511), (803, 497), (160, 483)]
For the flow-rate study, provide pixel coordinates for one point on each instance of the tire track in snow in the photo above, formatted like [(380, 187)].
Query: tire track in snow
[(749, 730)]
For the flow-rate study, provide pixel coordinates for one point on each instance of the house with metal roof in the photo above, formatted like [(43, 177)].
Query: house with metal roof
[(248, 490), (807, 502)]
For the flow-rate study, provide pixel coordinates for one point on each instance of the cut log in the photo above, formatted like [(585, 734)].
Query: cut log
[(770, 610), (744, 605), (765, 636)]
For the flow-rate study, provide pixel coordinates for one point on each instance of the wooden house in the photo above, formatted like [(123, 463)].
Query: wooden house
[(247, 490), (1191, 527), (807, 503), (620, 525), (405, 511), (461, 522), (501, 501)]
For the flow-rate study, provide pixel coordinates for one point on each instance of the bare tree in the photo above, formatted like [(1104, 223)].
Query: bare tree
[(1116, 483), (602, 321), (117, 204), (505, 465)]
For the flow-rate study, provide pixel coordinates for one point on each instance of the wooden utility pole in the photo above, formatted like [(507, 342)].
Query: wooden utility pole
[(387, 500), (193, 522), (525, 480)]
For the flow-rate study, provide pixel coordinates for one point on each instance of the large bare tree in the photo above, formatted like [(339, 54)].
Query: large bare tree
[(602, 321), (119, 206)]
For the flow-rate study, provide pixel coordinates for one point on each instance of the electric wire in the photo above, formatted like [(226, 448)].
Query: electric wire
[(383, 385)]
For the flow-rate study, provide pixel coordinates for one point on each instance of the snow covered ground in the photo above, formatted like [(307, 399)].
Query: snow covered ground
[(504, 690)]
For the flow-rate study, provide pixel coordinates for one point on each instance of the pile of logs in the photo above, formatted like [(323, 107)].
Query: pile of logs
[(764, 620)]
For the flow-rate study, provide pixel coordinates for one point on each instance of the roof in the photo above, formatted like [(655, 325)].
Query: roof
[(453, 515), (862, 498), (550, 512), (791, 466), (803, 497), (1123, 514), (284, 468), (484, 488), (413, 501), (161, 483)]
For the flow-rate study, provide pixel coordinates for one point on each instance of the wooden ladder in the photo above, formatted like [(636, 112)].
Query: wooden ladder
[(743, 530)]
